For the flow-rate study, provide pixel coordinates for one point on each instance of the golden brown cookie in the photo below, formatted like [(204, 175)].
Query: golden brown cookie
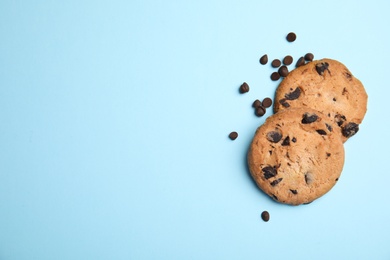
[(327, 86), (296, 156)]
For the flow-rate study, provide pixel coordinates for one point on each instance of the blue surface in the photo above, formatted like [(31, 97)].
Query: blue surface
[(114, 118)]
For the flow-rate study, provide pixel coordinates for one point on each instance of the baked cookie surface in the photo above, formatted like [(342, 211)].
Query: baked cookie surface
[(296, 156), (327, 86)]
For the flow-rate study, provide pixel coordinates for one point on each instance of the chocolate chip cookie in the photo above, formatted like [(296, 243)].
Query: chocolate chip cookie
[(327, 86), (296, 156)]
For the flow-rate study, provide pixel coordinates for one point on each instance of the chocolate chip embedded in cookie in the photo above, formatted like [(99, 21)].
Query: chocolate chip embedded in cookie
[(296, 156), (327, 86)]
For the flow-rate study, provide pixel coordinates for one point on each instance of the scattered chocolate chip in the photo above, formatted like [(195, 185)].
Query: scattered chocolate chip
[(244, 88), (293, 95), (267, 102), (309, 57), (269, 172), (300, 62), (275, 76), (274, 136), (265, 216), (264, 59), (293, 139), (283, 71), (321, 67), (321, 132), (309, 178), (275, 182), (350, 129), (309, 118), (329, 127), (287, 60), (291, 37), (260, 111), (339, 119), (286, 141), (276, 63), (295, 192), (233, 135), (284, 103), (256, 103)]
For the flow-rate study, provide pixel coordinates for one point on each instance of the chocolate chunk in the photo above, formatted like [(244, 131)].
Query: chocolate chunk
[(267, 102), (321, 67), (291, 37), (287, 60), (264, 59), (339, 119), (244, 88), (284, 103), (265, 216), (321, 132), (274, 136), (295, 192), (283, 71), (269, 172), (256, 103), (329, 127), (275, 76), (350, 129), (309, 118), (286, 141), (293, 95), (233, 135), (300, 62), (276, 63), (293, 139), (275, 182), (309, 178), (260, 111), (309, 56), (328, 154), (274, 197)]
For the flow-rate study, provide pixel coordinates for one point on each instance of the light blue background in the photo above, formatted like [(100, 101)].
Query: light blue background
[(114, 118)]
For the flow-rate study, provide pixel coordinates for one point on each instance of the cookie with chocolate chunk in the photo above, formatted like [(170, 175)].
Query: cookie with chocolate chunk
[(327, 86), (296, 156)]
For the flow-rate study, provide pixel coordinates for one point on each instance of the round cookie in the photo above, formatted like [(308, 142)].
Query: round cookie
[(296, 156), (327, 86)]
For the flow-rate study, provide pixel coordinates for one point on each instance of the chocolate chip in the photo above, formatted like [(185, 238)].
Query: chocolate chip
[(295, 192), (267, 102), (348, 75), (283, 71), (350, 129), (291, 37), (256, 103), (328, 154), (293, 95), (339, 119), (264, 59), (309, 178), (321, 67), (337, 179), (321, 132), (293, 139), (309, 56), (309, 118), (274, 197), (300, 62), (269, 172), (286, 141), (244, 88), (329, 127), (233, 135), (265, 216), (275, 76), (275, 182), (287, 60), (260, 111), (274, 136), (284, 103), (276, 63)]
